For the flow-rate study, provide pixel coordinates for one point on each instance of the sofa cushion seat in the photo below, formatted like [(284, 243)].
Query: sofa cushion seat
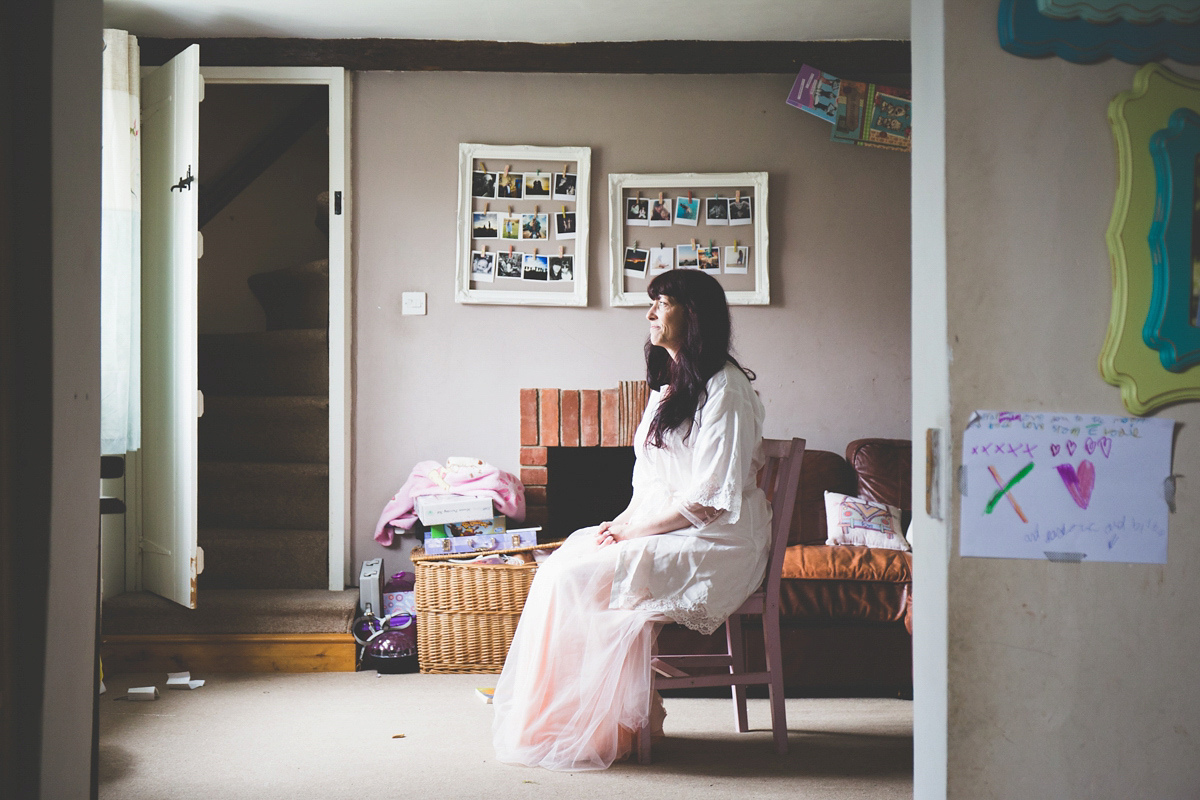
[(842, 582), (820, 562)]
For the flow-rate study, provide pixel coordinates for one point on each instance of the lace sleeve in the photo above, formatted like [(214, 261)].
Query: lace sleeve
[(726, 444), (700, 516)]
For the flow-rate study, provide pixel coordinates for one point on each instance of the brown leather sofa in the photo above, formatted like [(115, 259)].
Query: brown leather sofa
[(847, 611)]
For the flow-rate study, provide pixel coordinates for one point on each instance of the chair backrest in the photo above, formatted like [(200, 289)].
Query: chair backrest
[(780, 479)]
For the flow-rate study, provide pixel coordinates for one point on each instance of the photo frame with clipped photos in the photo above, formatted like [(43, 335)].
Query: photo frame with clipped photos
[(522, 225), (713, 222)]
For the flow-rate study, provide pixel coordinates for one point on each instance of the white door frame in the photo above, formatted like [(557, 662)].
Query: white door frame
[(338, 82)]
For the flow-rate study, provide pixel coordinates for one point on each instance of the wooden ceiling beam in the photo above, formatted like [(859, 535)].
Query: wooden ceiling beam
[(846, 59)]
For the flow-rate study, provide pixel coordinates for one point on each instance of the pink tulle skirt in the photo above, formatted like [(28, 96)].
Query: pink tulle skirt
[(576, 684)]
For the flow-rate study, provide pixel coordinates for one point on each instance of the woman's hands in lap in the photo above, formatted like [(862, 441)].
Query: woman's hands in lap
[(617, 531)]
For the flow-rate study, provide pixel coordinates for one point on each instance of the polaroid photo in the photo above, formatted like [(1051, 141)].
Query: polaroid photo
[(565, 184), (687, 210), (483, 184), (509, 265), (710, 259), (562, 268), (510, 185), (537, 184), (537, 268), (484, 225), (660, 214), (739, 212), (686, 256), (637, 211), (635, 262), (564, 225), (716, 210), (661, 259), (483, 266), (737, 260), (510, 226), (535, 226)]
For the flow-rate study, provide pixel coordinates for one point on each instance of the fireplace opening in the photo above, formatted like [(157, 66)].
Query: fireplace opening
[(586, 486)]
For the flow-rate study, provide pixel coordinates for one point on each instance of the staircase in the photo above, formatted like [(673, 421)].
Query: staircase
[(263, 504)]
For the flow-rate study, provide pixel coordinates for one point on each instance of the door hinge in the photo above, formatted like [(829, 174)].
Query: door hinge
[(199, 403), (337, 204)]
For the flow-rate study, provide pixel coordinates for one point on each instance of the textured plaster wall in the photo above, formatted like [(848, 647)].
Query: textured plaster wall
[(1064, 680), (831, 351)]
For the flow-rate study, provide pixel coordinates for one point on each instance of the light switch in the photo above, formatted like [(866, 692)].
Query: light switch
[(412, 303)]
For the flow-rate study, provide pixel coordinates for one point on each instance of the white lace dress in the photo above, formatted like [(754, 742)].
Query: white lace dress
[(576, 684)]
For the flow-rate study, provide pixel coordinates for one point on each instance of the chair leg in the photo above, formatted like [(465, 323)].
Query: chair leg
[(772, 644), (643, 745), (737, 655)]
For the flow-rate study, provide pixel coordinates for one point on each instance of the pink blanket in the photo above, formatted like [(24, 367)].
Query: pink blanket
[(458, 476)]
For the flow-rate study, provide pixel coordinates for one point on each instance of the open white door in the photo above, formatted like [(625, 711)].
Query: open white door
[(170, 185)]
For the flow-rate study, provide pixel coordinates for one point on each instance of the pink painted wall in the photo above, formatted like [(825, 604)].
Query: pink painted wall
[(831, 351)]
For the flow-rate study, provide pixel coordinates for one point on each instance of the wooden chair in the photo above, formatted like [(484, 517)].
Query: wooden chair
[(779, 478)]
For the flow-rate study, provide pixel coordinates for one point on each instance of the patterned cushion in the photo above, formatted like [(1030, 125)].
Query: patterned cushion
[(855, 521)]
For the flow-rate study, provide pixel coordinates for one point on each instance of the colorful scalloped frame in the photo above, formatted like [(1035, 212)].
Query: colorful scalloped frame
[(1169, 327), (1125, 360), (1026, 33), (1140, 12)]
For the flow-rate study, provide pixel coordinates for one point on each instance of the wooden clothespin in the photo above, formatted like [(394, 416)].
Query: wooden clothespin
[(738, 197), (689, 195), (485, 248), (564, 209), (561, 250), (566, 167), (537, 209), (535, 252), (660, 197), (693, 244), (482, 167), (487, 207), (510, 249), (735, 244), (507, 167), (510, 211), (639, 194)]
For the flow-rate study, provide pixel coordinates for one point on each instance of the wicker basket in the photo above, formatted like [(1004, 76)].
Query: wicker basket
[(467, 613)]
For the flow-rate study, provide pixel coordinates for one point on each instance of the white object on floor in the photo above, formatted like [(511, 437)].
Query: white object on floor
[(182, 680), (102, 688), (143, 693)]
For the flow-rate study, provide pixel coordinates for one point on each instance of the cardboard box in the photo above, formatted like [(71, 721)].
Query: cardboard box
[(436, 509), (480, 536)]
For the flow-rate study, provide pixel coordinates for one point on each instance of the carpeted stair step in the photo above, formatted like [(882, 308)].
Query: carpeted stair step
[(294, 362), (233, 611), (264, 558), (248, 495), (275, 429), (295, 296)]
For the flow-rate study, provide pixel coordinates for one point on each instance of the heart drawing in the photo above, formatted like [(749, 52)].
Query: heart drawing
[(1071, 447), (1079, 482), (1054, 448)]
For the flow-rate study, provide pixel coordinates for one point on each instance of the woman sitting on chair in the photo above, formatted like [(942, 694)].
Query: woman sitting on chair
[(690, 548)]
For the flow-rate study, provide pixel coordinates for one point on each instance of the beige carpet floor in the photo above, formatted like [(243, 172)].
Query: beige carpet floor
[(332, 736)]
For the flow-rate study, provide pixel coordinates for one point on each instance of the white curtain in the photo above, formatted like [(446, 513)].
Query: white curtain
[(120, 255)]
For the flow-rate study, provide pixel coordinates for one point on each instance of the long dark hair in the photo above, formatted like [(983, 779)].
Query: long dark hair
[(703, 353)]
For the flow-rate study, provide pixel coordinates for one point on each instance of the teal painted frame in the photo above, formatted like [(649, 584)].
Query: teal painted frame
[(1141, 12), (1169, 328), (1025, 32)]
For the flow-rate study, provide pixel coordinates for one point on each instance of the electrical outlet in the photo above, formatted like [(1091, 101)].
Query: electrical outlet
[(412, 303)]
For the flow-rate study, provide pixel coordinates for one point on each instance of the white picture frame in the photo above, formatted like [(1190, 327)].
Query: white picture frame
[(619, 184), (496, 157)]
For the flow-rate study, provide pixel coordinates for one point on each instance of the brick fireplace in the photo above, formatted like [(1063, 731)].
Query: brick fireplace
[(577, 454)]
